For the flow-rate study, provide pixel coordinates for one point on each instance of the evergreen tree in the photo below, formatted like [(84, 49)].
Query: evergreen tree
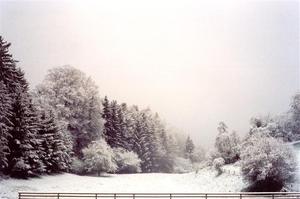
[(189, 147), (126, 126), (21, 138), (9, 73), (162, 162), (143, 135), (5, 125), (115, 134), (116, 130), (8, 84), (24, 158), (108, 123), (54, 153)]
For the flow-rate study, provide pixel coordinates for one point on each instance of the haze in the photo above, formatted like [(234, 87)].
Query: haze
[(194, 62)]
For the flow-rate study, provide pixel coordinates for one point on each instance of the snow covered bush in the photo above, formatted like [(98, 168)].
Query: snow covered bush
[(78, 166), (277, 126), (211, 156), (198, 155), (98, 157), (227, 144), (182, 165), (127, 161), (217, 164), (267, 163)]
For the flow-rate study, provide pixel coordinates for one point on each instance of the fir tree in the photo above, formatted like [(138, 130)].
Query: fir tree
[(108, 130), (163, 160), (24, 158), (54, 153), (9, 73), (189, 147), (116, 131), (5, 125), (126, 125)]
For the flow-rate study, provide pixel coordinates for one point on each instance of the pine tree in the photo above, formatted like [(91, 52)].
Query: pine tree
[(24, 158), (5, 125), (146, 143), (163, 159), (126, 125), (107, 115), (9, 73), (116, 131), (54, 153), (189, 147), (8, 83), (143, 141), (115, 128)]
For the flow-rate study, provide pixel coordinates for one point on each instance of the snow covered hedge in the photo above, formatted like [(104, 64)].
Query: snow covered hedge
[(127, 161), (98, 157), (77, 166), (267, 163)]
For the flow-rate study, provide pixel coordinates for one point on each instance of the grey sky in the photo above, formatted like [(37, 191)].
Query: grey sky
[(194, 62)]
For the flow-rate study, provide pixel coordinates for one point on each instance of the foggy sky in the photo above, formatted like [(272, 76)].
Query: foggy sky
[(194, 62)]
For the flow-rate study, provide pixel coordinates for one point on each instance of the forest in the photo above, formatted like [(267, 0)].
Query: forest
[(65, 125)]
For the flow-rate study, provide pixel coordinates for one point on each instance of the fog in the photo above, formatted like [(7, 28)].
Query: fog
[(194, 62)]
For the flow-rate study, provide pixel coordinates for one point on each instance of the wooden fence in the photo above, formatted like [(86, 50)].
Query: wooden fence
[(241, 195)]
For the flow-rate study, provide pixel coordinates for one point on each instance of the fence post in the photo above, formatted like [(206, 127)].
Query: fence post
[(170, 196), (133, 196), (57, 195), (19, 195), (205, 196), (272, 196), (96, 196), (240, 196), (115, 196)]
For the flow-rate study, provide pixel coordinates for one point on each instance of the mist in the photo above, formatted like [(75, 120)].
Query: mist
[(194, 62)]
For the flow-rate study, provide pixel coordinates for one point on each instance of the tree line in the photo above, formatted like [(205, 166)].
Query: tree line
[(64, 126)]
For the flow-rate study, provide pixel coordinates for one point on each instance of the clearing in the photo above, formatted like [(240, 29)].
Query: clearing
[(204, 181)]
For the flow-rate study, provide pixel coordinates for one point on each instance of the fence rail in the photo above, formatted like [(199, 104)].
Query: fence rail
[(240, 195)]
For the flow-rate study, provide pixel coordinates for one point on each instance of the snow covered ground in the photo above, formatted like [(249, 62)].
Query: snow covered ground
[(297, 185), (204, 181)]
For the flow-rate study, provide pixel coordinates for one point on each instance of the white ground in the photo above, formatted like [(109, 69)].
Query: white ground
[(204, 181), (297, 185)]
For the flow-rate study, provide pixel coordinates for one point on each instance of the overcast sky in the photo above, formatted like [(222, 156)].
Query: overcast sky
[(194, 62)]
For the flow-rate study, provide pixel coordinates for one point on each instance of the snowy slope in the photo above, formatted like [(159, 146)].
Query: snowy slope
[(204, 181)]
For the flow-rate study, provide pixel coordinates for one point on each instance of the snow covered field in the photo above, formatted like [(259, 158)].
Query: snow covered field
[(204, 181)]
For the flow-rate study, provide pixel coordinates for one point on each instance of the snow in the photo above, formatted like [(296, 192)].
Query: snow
[(232, 169), (297, 149), (204, 181)]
